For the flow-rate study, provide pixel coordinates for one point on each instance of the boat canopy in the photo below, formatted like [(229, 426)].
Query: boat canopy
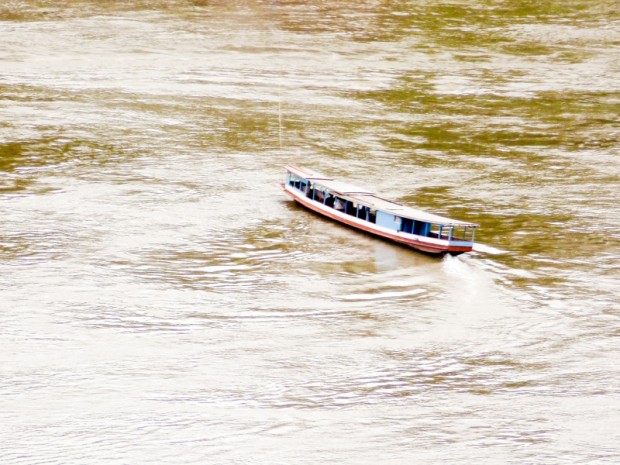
[(368, 198), (404, 211), (344, 188), (306, 173), (327, 182)]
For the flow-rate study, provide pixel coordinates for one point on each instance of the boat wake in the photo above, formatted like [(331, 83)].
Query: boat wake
[(487, 249)]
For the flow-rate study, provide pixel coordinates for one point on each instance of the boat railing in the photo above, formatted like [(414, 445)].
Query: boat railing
[(461, 235)]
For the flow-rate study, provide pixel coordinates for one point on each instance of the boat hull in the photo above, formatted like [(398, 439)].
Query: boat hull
[(423, 244)]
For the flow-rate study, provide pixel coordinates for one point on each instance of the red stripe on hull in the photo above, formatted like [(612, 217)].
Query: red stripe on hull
[(413, 243)]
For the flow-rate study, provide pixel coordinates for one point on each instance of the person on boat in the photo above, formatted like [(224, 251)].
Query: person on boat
[(318, 195), (338, 204)]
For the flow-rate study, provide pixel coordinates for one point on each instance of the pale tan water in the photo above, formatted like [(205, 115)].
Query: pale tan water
[(163, 302)]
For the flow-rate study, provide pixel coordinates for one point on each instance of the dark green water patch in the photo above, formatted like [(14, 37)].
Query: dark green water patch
[(250, 128), (555, 10), (209, 124), (456, 139), (27, 93), (528, 48), (558, 236), (52, 151), (469, 25), (31, 10), (446, 23), (474, 124)]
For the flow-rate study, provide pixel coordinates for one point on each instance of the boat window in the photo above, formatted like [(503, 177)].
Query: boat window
[(329, 201), (350, 208), (298, 182), (462, 233), (372, 215), (362, 212), (420, 228), (406, 225), (319, 193), (294, 181), (338, 204)]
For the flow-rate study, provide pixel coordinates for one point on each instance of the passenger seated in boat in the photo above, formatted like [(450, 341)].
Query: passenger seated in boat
[(372, 215), (351, 209), (338, 204), (309, 191), (318, 195)]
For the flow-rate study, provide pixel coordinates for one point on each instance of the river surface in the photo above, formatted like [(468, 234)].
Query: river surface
[(162, 301)]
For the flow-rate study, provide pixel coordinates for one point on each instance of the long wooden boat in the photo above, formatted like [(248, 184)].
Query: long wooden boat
[(363, 209)]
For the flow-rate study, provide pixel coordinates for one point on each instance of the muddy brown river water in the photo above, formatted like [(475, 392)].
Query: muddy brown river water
[(161, 300)]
